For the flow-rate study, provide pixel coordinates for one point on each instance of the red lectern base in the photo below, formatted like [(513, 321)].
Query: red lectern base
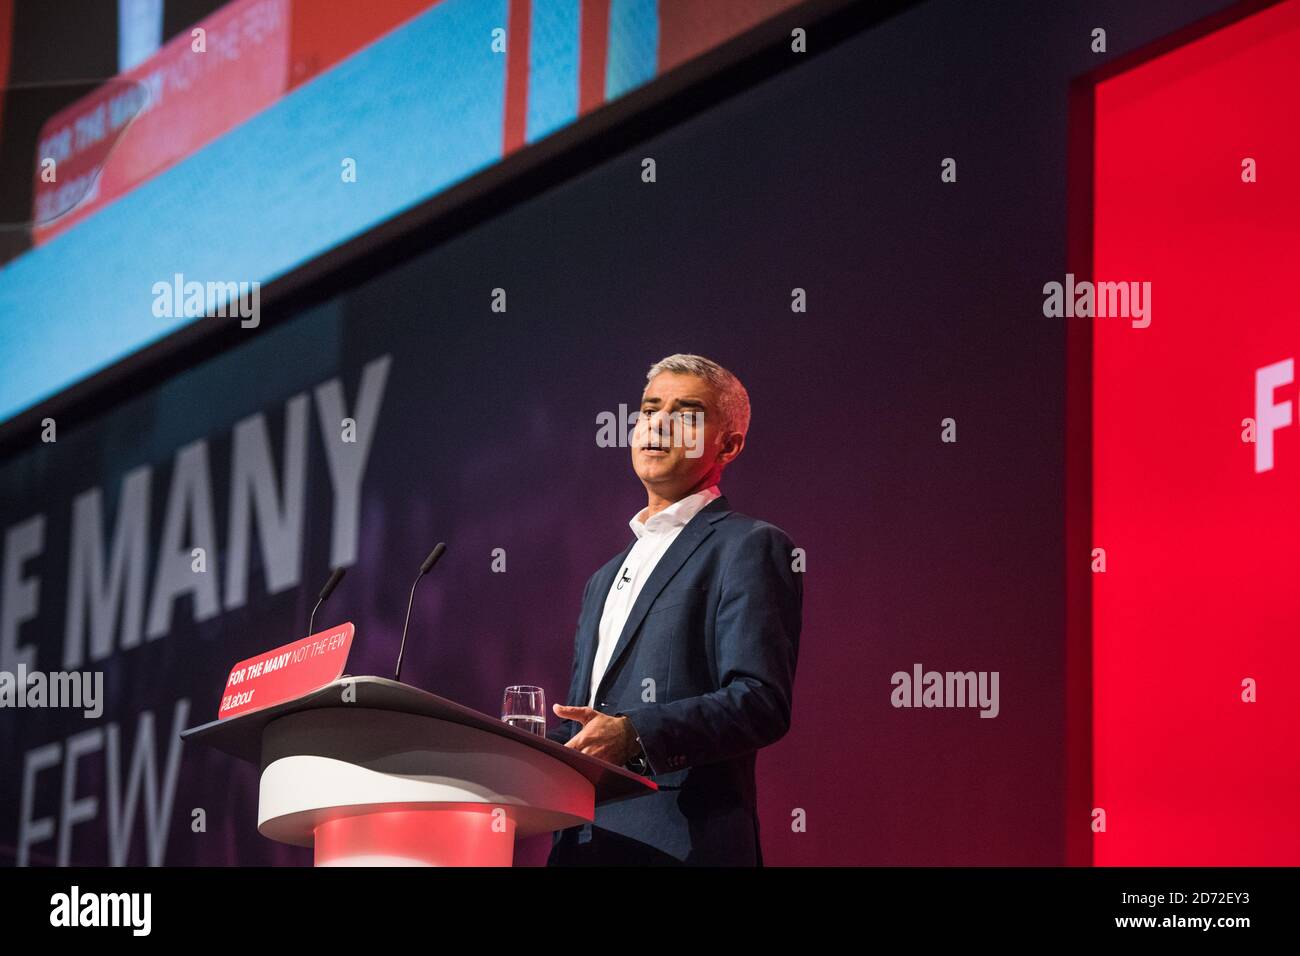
[(478, 836)]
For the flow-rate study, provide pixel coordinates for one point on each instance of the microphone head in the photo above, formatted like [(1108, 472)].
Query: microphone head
[(332, 583), (432, 559)]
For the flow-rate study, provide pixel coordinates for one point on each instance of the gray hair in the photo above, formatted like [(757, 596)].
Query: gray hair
[(733, 400)]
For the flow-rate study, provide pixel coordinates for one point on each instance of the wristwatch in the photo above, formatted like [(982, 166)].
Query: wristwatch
[(638, 764)]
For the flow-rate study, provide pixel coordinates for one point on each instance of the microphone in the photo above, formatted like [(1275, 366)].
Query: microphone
[(425, 568), (325, 592)]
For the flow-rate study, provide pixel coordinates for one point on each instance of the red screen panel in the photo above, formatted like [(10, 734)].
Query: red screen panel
[(1200, 597)]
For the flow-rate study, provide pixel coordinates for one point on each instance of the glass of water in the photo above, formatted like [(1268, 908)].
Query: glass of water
[(524, 707)]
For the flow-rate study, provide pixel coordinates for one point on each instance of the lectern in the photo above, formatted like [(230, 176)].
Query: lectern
[(372, 772)]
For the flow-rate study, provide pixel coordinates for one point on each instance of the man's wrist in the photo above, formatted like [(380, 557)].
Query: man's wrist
[(638, 762)]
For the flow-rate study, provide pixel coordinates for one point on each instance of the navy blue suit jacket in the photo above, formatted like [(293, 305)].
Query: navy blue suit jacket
[(704, 669)]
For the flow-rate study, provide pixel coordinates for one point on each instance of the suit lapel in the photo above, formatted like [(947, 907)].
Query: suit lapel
[(696, 530), (591, 628)]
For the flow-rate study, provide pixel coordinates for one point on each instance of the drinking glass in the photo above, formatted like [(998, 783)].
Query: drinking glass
[(524, 707)]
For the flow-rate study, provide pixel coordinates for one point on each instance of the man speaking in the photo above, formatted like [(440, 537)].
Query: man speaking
[(684, 660)]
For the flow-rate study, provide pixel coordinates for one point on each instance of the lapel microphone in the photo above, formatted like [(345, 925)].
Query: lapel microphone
[(626, 578)]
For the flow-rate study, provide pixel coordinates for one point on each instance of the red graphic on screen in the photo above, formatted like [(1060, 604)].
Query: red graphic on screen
[(1200, 599), (194, 89)]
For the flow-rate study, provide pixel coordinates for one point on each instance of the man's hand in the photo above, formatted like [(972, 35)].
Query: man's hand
[(611, 739)]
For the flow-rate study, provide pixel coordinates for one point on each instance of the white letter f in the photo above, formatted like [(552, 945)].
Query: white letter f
[(1270, 417)]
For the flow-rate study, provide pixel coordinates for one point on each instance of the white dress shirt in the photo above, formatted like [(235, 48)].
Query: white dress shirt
[(652, 539)]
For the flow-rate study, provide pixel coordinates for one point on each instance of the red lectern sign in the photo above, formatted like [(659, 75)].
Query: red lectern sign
[(286, 672)]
